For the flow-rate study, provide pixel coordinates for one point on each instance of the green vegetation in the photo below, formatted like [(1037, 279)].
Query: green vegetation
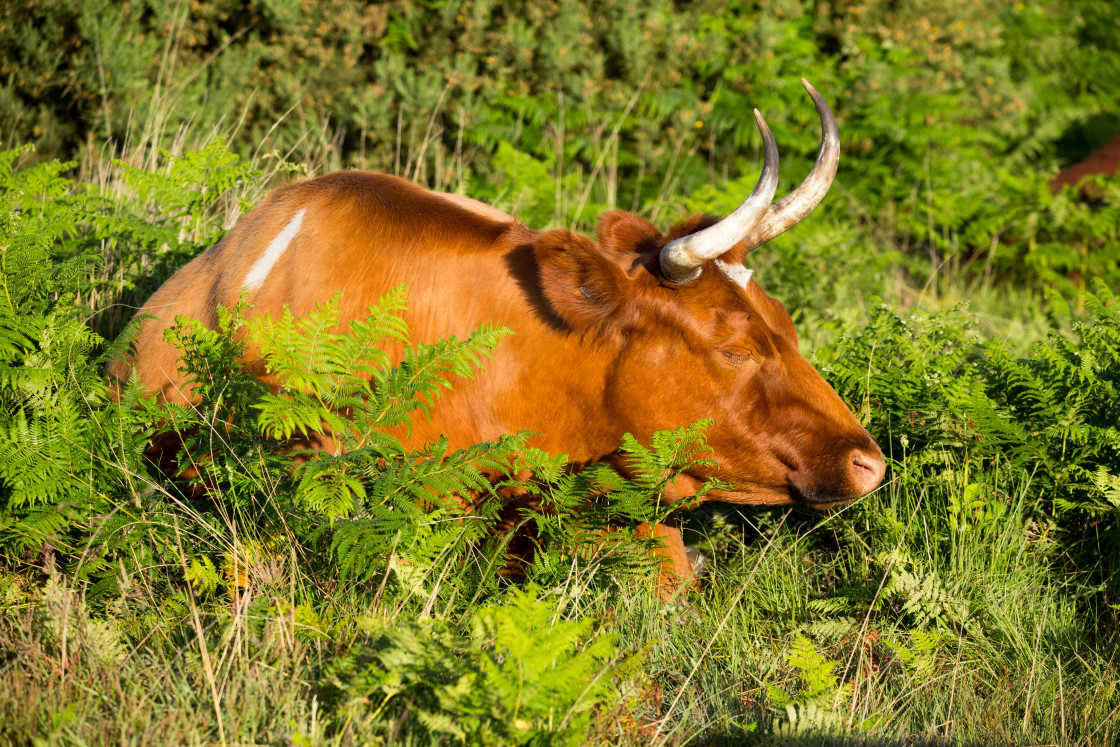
[(968, 316)]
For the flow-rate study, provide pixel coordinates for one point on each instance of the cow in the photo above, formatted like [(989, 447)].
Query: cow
[(1103, 161), (632, 331)]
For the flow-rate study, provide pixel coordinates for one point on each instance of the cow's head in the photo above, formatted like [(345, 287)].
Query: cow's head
[(691, 335)]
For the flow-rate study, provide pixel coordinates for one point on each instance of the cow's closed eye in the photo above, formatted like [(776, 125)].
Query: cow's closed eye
[(737, 355)]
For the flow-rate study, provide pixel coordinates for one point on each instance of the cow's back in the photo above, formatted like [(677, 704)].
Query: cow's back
[(357, 233)]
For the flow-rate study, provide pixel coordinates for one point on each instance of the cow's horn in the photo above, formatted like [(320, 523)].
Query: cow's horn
[(788, 212), (682, 259)]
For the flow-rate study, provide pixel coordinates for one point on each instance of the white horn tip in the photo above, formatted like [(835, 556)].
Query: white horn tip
[(811, 89)]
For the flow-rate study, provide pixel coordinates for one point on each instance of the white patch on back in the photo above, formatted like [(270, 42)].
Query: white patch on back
[(259, 271), (739, 274)]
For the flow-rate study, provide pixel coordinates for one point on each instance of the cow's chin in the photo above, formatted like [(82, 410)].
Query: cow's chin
[(686, 486), (827, 505), (745, 494), (757, 495), (753, 496)]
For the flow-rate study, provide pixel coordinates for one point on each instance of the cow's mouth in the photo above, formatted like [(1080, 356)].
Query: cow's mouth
[(820, 502), (687, 486)]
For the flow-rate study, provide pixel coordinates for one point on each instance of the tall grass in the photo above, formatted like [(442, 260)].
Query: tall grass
[(1004, 660)]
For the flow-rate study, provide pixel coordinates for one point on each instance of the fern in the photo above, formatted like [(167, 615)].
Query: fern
[(371, 502), (64, 446), (920, 656), (329, 372), (520, 678), (818, 703), (933, 383)]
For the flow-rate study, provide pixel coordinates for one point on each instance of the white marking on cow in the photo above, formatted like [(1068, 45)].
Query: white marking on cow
[(259, 271), (739, 274)]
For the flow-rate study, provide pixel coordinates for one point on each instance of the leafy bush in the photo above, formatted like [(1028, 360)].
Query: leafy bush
[(54, 457), (522, 677), (930, 386), (563, 109), (967, 425)]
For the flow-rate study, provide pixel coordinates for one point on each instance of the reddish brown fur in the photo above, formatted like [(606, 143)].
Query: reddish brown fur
[(1105, 160), (630, 352)]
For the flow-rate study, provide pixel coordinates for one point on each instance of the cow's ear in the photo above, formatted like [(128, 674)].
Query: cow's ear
[(690, 226), (623, 235), (583, 285)]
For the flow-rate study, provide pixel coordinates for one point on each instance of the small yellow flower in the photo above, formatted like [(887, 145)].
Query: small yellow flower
[(699, 123)]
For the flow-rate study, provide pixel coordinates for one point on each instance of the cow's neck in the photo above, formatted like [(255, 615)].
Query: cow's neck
[(543, 378)]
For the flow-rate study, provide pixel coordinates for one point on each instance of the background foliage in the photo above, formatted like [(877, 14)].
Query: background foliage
[(965, 311)]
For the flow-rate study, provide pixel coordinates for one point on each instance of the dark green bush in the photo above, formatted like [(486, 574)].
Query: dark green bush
[(559, 110)]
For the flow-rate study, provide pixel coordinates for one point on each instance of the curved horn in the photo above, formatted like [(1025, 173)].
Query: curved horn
[(790, 210), (681, 259)]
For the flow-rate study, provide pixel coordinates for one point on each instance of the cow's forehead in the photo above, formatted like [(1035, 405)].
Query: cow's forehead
[(750, 296)]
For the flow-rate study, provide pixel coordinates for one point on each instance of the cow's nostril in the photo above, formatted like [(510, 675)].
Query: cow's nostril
[(867, 470)]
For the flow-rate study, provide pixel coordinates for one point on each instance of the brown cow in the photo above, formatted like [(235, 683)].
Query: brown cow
[(633, 332), (1104, 160)]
